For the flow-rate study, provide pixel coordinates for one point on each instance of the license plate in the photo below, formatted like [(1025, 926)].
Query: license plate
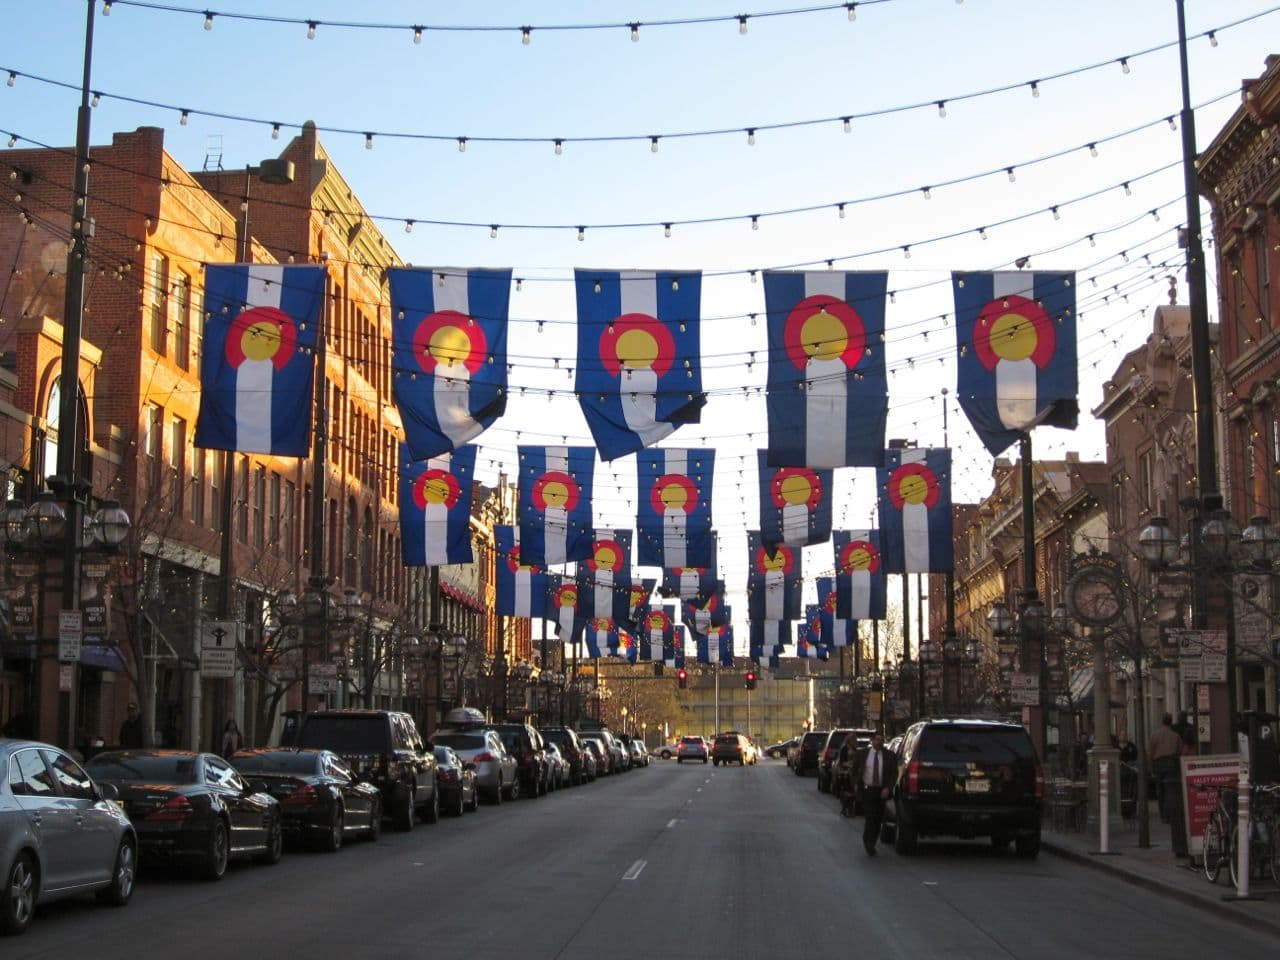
[(977, 786)]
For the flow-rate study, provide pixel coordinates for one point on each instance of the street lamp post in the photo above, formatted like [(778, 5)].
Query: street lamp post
[(315, 611), (1027, 686)]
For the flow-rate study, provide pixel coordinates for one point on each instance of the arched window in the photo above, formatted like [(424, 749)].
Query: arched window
[(367, 571), (350, 546)]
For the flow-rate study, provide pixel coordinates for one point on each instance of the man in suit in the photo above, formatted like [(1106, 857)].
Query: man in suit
[(874, 769)]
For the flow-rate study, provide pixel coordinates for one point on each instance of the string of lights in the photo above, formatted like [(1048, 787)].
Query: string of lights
[(559, 143)]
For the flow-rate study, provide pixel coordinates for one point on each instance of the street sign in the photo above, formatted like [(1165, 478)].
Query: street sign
[(1202, 699), (70, 634), (1024, 697), (1204, 728), (218, 642), (323, 679), (1215, 641), (1024, 681), (1213, 668), (1252, 602), (66, 677), (1189, 670)]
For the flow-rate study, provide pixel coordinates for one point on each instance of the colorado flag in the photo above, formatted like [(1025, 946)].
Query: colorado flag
[(861, 592), (795, 504), (555, 503), (775, 580), (522, 587), (435, 507), (828, 397), (258, 366), (915, 510), (638, 356), (673, 510)]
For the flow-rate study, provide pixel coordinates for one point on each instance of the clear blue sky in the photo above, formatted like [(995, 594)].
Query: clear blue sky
[(577, 84)]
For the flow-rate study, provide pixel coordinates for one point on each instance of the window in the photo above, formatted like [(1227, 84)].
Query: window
[(1244, 326), (178, 465), (197, 328), (273, 514), (28, 776), (153, 444), (72, 781), (1118, 512), (197, 486), (287, 509), (259, 505), (242, 501), (216, 493), (1146, 480), (1262, 271), (182, 321), (159, 302)]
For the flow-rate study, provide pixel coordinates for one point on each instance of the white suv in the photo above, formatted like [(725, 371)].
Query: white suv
[(692, 748)]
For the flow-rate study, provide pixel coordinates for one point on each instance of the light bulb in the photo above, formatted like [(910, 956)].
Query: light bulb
[(653, 144), (1155, 215), (751, 136), (1213, 37), (368, 141), (417, 34), (275, 131), (208, 21), (742, 25), (853, 13), (1056, 214), (493, 231), (1124, 64), (462, 144), (526, 34), (13, 139), (1035, 88), (666, 229), (755, 222), (840, 210), (1012, 176), (519, 287), (311, 29), (13, 77), (848, 123), (582, 233), (184, 117), (97, 99), (596, 287), (753, 276), (982, 232), (408, 226), (635, 33), (559, 147), (927, 193), (1092, 241), (106, 9), (1093, 149), (1173, 124), (942, 108), (1127, 191), (906, 252)]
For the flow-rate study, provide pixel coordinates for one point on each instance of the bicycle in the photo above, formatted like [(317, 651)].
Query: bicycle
[(1218, 830), (1264, 820)]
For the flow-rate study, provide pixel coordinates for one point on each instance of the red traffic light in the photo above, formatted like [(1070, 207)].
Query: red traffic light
[(750, 680), (681, 677)]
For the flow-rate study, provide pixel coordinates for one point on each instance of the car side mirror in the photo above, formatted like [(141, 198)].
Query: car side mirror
[(108, 791)]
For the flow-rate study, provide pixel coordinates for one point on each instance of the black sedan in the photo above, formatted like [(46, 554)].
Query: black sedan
[(321, 799), (457, 780), (192, 807)]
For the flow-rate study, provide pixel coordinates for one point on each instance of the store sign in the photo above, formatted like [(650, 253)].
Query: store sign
[(1199, 776)]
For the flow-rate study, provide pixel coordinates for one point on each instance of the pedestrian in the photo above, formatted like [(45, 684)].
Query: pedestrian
[(876, 769), (1164, 750), (1128, 749), (131, 729), (231, 738), (1082, 747)]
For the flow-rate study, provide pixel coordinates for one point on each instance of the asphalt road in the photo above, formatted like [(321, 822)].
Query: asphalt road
[(674, 861)]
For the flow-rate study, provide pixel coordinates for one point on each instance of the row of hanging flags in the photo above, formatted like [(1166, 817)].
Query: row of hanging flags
[(638, 379)]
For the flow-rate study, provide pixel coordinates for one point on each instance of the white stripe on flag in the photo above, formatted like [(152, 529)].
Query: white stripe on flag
[(860, 594), (775, 586), (452, 381), (795, 524), (255, 378), (915, 524), (603, 593), (523, 600), (826, 390), (638, 293), (435, 523), (555, 534), (1015, 379), (675, 538)]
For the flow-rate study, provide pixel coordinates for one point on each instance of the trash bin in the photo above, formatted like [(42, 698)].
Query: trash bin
[(1177, 815)]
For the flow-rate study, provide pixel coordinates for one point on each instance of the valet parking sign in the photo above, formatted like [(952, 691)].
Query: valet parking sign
[(1198, 775)]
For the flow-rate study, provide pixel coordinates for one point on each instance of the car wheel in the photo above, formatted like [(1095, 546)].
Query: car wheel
[(1028, 847), (375, 821), (475, 799), (405, 811), (1000, 841), (275, 843), (122, 876), (513, 792), (18, 898), (904, 840), (217, 852), (462, 803), (679, 759), (332, 842), (432, 813), (666, 754), (715, 763)]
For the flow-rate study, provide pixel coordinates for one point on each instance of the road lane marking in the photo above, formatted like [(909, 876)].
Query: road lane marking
[(634, 870), (671, 823)]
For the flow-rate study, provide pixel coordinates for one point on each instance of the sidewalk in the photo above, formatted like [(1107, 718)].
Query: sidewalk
[(1157, 869)]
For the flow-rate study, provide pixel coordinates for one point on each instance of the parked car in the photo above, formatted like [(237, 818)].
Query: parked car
[(192, 807), (638, 756), (566, 738), (611, 748), (692, 748), (384, 748), (665, 750), (457, 779), (557, 766), (967, 778), (595, 763), (525, 744), (497, 777), (61, 834), (827, 755), (321, 799), (776, 750), (730, 748), (808, 751)]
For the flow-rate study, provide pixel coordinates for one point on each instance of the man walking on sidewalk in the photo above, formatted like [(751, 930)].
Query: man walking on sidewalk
[(1164, 750), (876, 769)]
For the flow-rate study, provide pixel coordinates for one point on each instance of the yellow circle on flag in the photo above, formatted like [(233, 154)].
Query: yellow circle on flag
[(260, 341), (913, 488), (637, 349), (823, 336), (1013, 337)]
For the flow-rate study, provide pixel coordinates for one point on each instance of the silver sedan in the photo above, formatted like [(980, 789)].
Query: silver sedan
[(60, 834), (496, 774)]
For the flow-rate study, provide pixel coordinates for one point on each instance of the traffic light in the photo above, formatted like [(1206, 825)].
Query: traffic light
[(681, 677), (751, 679), (657, 668)]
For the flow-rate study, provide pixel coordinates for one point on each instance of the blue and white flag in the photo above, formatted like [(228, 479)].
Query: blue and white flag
[(775, 579), (795, 504), (809, 645), (716, 645), (836, 630), (657, 634), (673, 507), (601, 634), (689, 583), (449, 353), (639, 602), (624, 646), (828, 397), (769, 635), (258, 365), (638, 356), (861, 592), (562, 607), (702, 614), (679, 639), (522, 587), (1016, 339), (604, 579), (435, 507), (915, 510), (555, 504)]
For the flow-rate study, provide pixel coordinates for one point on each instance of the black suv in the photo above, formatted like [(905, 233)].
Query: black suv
[(525, 744), (384, 748), (811, 745), (566, 738), (967, 778)]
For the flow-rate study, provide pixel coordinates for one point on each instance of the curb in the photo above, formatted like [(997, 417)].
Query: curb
[(1221, 909)]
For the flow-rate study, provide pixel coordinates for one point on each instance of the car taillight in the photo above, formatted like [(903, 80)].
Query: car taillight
[(447, 774), (485, 757), (303, 796), (1039, 782), (913, 777), (177, 808)]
